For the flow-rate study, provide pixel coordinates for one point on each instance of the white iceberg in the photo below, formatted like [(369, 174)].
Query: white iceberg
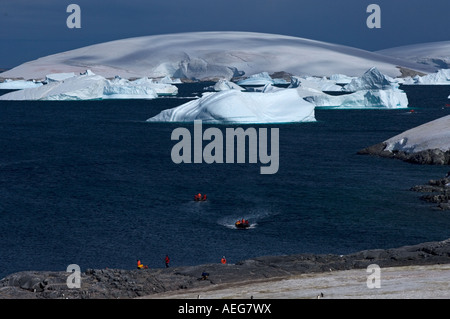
[(124, 89), (161, 89), (259, 79), (372, 79), (9, 84), (320, 84), (223, 85), (362, 99), (168, 80), (341, 79), (234, 106), (90, 86), (441, 77), (82, 87)]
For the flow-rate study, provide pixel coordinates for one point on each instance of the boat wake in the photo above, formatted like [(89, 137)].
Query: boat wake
[(254, 217)]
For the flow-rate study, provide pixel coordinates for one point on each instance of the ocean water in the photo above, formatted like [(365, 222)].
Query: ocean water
[(91, 183)]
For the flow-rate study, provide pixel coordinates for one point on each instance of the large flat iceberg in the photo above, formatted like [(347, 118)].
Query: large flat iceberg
[(234, 106)]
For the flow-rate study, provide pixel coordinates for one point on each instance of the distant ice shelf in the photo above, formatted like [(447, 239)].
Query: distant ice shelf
[(90, 86)]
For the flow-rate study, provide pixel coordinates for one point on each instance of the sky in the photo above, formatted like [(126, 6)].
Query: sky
[(30, 29)]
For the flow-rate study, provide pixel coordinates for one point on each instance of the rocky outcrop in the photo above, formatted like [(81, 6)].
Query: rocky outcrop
[(120, 283), (429, 157), (438, 192)]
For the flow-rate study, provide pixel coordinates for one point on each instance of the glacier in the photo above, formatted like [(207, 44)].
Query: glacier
[(433, 55), (90, 86), (212, 55), (234, 106)]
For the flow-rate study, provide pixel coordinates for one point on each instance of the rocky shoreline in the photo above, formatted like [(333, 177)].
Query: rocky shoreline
[(126, 284), (426, 157), (438, 192)]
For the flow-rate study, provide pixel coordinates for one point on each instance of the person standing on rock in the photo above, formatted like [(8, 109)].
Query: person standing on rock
[(167, 260), (223, 260)]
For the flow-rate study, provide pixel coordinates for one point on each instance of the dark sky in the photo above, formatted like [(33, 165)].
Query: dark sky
[(30, 29)]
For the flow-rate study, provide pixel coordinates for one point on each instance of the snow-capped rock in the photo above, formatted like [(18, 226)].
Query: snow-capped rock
[(429, 136)]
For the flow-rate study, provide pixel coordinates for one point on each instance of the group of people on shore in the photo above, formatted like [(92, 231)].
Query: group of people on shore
[(140, 265)]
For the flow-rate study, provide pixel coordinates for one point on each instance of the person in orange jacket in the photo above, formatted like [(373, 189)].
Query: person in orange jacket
[(204, 197), (223, 260), (140, 265)]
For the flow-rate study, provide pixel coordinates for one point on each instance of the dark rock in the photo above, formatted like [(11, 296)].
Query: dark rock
[(426, 157), (121, 283), (439, 192)]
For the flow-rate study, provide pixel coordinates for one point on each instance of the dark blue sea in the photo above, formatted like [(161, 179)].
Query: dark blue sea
[(92, 183)]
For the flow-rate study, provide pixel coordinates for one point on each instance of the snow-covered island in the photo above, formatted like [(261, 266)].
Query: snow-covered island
[(425, 144), (213, 56)]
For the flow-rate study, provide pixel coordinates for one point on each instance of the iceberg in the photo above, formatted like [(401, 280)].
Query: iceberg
[(320, 84), (441, 77), (234, 106), (362, 99), (82, 87), (223, 85), (9, 84), (259, 79), (168, 80), (372, 79), (161, 89), (123, 89), (341, 79), (372, 90), (89, 86)]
